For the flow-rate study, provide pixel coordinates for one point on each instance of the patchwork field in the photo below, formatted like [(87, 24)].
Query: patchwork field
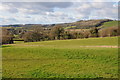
[(79, 58)]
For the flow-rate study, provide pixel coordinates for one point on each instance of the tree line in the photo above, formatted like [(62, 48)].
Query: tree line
[(38, 33)]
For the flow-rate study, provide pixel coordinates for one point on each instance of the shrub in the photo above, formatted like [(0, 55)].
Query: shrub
[(32, 36), (94, 32), (57, 32), (108, 32), (6, 37)]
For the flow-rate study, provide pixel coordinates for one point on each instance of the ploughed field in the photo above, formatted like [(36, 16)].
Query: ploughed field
[(75, 58)]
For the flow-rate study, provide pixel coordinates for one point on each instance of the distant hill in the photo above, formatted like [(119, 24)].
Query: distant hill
[(85, 24), (82, 24), (109, 24)]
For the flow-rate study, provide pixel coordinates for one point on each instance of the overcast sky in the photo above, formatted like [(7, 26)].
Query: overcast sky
[(55, 12)]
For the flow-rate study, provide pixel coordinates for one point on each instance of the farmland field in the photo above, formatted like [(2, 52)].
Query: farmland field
[(110, 24), (62, 59)]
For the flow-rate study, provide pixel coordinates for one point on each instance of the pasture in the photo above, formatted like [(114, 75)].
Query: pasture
[(61, 59), (110, 24)]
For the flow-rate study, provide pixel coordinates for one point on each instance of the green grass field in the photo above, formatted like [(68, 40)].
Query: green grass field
[(110, 24), (61, 59), (69, 27)]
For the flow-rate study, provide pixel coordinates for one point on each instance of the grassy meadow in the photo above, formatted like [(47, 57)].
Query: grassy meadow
[(110, 24), (61, 59)]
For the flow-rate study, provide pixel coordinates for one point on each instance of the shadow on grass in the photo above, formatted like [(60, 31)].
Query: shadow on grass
[(4, 46)]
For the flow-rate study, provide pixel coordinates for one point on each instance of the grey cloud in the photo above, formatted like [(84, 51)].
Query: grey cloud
[(100, 8), (10, 19), (55, 12), (27, 17), (56, 4), (35, 7)]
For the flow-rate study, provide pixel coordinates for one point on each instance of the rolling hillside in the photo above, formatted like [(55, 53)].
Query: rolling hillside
[(110, 24), (82, 24)]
